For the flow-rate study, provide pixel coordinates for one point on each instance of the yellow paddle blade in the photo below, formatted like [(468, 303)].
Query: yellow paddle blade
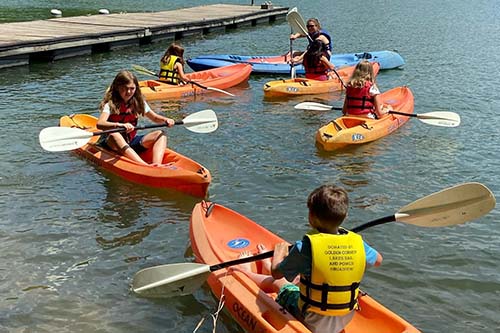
[(455, 205)]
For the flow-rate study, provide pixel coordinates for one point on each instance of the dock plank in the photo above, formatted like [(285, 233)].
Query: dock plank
[(102, 32)]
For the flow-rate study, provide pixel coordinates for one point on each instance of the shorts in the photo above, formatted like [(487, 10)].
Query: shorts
[(135, 144), (288, 297)]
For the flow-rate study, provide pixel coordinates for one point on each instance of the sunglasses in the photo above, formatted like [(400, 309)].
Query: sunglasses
[(311, 25)]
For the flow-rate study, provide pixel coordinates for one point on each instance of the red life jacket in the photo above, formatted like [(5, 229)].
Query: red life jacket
[(359, 100), (315, 70), (125, 116)]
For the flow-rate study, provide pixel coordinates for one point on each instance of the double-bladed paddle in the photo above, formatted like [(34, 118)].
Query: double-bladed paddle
[(436, 118), (69, 138), (144, 70), (452, 206)]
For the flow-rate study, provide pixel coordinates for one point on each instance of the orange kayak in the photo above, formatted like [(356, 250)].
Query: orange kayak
[(354, 130), (302, 86), (219, 234), (221, 78), (179, 173)]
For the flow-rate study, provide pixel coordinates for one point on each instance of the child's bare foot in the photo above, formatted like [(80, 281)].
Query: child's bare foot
[(247, 266), (266, 263)]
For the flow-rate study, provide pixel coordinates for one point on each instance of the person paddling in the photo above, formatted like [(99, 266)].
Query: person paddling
[(362, 96), (315, 32), (121, 106), (330, 261), (316, 63), (172, 66)]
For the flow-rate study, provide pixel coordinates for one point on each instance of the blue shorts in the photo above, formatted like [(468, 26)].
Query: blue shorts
[(135, 144), (288, 297)]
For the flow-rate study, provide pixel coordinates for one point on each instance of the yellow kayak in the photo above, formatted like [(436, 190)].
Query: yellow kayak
[(352, 130), (302, 86)]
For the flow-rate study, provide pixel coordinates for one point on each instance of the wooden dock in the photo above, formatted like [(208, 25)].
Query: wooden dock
[(58, 38)]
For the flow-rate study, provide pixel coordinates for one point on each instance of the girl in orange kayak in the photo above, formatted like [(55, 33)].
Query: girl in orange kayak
[(362, 94), (330, 260), (172, 65), (316, 63), (120, 108)]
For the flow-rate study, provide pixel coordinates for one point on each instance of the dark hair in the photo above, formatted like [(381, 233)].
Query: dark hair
[(173, 49), (329, 205), (314, 52)]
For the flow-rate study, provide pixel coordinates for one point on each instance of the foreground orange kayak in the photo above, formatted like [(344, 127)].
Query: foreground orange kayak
[(302, 86), (220, 78), (179, 173), (219, 234), (354, 130)]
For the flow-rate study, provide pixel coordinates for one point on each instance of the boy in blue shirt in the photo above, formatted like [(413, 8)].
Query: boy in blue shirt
[(317, 279)]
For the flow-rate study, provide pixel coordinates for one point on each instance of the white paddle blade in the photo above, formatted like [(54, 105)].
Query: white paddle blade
[(63, 138), (296, 21), (440, 118), (170, 280), (221, 91), (204, 121), (455, 205), (313, 106)]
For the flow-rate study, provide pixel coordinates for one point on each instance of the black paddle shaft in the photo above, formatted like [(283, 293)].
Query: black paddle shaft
[(122, 129), (382, 220), (269, 254)]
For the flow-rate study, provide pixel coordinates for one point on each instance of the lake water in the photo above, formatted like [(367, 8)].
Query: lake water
[(73, 236)]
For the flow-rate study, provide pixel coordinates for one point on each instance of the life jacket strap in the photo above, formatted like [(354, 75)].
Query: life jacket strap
[(325, 289)]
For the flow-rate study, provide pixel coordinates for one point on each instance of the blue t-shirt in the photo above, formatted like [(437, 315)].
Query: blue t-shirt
[(299, 259)]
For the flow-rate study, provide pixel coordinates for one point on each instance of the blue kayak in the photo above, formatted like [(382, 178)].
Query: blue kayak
[(279, 64)]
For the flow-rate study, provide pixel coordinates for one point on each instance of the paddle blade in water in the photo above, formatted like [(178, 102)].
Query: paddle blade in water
[(170, 280), (455, 205), (63, 138)]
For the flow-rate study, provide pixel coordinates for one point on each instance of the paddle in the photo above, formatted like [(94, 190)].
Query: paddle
[(292, 31), (69, 138), (436, 118), (144, 70), (451, 206), (297, 23)]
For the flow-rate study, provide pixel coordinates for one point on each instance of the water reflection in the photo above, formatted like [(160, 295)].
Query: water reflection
[(130, 212)]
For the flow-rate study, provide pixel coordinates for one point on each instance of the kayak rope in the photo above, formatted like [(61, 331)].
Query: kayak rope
[(214, 315)]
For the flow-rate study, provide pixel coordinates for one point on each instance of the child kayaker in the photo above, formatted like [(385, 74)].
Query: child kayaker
[(121, 106), (362, 94), (330, 261), (316, 63), (172, 65)]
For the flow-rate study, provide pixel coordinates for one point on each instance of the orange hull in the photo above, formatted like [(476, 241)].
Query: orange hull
[(221, 78), (301, 86), (354, 130), (219, 234), (181, 173)]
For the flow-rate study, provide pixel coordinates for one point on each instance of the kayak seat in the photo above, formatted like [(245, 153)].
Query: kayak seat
[(364, 55), (353, 122)]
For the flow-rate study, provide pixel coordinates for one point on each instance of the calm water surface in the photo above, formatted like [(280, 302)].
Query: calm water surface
[(72, 236)]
